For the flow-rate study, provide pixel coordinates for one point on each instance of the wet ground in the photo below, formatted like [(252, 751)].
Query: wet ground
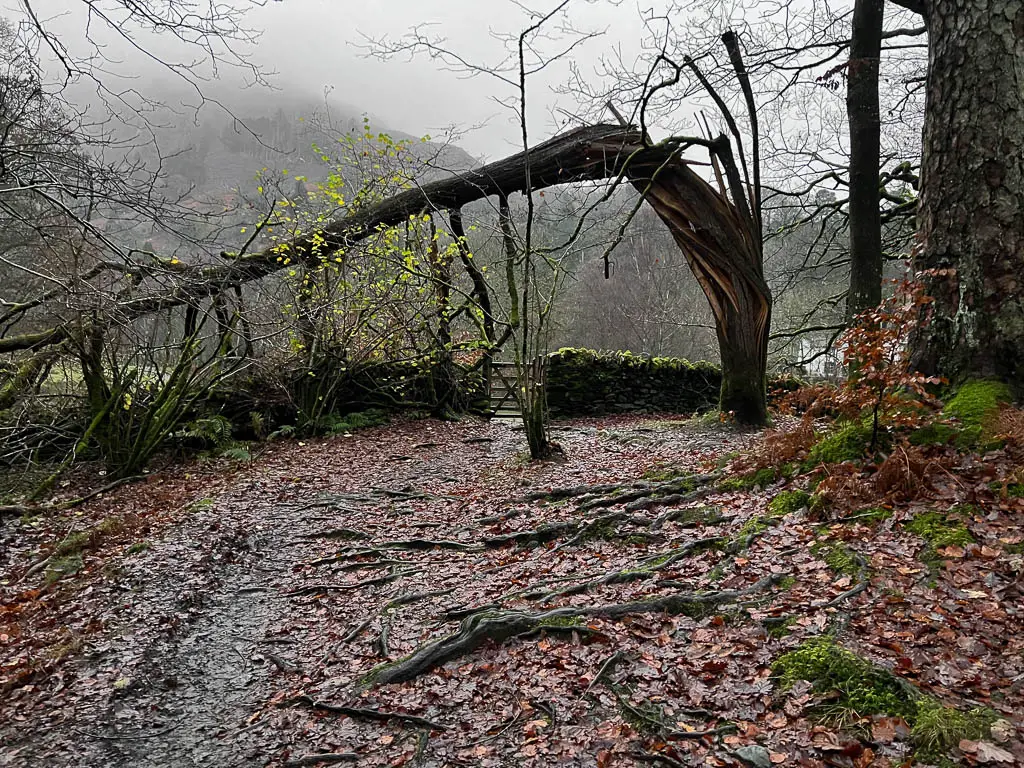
[(254, 601)]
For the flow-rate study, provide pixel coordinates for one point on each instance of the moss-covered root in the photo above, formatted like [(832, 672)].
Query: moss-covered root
[(645, 569), (975, 406), (499, 626)]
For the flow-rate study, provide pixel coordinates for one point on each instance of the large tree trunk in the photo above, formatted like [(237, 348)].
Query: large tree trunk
[(722, 245), (972, 191), (865, 136)]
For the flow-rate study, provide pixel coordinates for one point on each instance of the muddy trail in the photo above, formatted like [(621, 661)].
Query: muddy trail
[(418, 594)]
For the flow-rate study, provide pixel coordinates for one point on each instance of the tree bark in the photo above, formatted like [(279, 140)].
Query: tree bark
[(972, 192), (865, 138), (722, 246)]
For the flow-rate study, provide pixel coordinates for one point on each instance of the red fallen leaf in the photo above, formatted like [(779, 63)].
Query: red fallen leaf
[(604, 758), (866, 759), (715, 666), (883, 730), (905, 663)]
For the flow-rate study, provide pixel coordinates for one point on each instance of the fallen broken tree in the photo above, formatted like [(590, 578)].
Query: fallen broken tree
[(714, 229)]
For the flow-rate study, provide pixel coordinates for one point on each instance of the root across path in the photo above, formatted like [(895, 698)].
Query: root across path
[(321, 605)]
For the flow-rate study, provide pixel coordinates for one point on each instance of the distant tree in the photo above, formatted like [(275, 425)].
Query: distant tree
[(862, 111)]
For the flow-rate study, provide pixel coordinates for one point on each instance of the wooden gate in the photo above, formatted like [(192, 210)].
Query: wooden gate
[(504, 404)]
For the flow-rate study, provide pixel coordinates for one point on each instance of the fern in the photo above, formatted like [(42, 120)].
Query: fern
[(215, 430), (235, 453), (288, 430)]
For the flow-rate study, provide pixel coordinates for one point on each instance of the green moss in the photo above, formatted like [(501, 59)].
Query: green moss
[(717, 573), (138, 546), (726, 458), (788, 502), (850, 442), (60, 567), (938, 530), (762, 478), (735, 483), (72, 544), (937, 728), (818, 505), (974, 406), (755, 526), (779, 626), (842, 560), (935, 433), (1015, 490), (662, 474), (603, 530), (563, 622), (861, 687)]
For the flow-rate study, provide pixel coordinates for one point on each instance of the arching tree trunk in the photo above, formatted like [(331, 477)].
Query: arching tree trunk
[(972, 191)]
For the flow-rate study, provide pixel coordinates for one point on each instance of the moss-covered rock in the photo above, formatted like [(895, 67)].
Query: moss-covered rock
[(850, 442), (788, 502), (938, 728), (861, 687), (975, 406), (864, 689)]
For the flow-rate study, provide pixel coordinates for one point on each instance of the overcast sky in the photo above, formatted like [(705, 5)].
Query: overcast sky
[(317, 43), (313, 44)]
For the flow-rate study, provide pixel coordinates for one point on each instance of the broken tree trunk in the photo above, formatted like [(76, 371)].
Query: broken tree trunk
[(718, 235)]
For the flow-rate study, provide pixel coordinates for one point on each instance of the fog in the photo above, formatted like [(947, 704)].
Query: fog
[(304, 49)]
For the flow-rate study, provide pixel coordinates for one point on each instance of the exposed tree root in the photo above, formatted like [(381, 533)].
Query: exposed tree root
[(365, 713), (558, 494), (322, 758), (413, 597), (318, 588), (347, 534), (16, 510), (502, 625), (645, 569), (843, 597)]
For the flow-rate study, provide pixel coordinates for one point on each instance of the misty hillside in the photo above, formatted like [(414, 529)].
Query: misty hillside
[(221, 149)]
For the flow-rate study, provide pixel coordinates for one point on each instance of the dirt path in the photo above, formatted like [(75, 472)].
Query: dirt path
[(245, 632)]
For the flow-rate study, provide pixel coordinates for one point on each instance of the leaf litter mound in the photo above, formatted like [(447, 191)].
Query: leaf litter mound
[(418, 594)]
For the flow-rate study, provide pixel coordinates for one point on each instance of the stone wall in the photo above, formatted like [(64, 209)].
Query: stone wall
[(582, 382)]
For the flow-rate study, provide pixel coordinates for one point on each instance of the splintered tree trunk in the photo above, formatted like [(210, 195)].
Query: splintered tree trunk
[(743, 346), (722, 246), (972, 192), (865, 137)]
